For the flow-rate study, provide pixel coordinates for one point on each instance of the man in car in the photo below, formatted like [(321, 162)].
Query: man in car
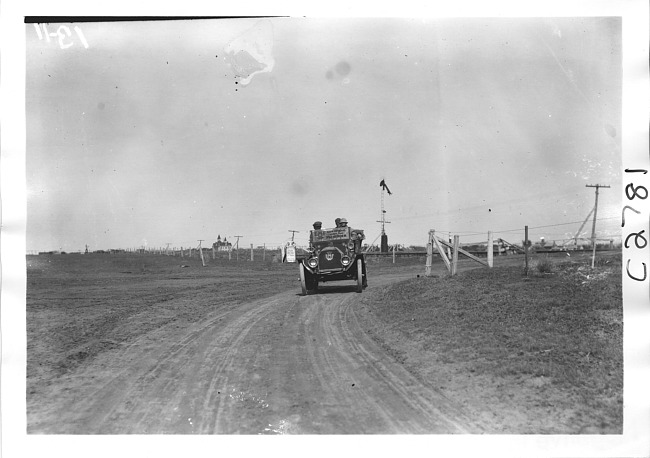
[(357, 236)]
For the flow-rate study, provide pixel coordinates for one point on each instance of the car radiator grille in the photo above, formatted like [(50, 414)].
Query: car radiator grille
[(325, 264)]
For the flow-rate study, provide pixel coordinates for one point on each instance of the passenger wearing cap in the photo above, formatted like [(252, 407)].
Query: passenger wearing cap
[(317, 230), (337, 222), (343, 222)]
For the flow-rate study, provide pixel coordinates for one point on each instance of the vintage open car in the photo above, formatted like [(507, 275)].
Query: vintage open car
[(334, 254)]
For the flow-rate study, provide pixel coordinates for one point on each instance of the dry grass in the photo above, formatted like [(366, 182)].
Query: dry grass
[(109, 300), (559, 329), (544, 266)]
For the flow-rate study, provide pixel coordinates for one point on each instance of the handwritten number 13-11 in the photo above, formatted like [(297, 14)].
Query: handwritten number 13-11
[(63, 33)]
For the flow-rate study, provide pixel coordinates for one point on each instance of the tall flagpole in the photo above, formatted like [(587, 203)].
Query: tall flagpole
[(384, 237)]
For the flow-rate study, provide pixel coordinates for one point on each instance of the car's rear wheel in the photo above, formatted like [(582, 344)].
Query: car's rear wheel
[(303, 281), (359, 276)]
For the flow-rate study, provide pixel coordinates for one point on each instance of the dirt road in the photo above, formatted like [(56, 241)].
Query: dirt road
[(287, 364)]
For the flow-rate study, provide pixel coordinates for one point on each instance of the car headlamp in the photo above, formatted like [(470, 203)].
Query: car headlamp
[(345, 261), (313, 263)]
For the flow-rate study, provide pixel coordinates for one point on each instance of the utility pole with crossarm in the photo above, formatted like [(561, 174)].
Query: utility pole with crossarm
[(593, 227)]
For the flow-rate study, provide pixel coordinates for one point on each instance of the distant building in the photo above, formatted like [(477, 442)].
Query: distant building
[(220, 245)]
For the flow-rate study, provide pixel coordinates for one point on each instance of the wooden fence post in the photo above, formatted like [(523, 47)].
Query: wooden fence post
[(251, 252), (264, 253), (454, 262), (427, 269), (490, 250), (526, 249), (201, 255), (214, 256), (441, 251), (394, 246)]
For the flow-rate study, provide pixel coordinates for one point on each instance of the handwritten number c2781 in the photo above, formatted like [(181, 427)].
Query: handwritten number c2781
[(633, 192)]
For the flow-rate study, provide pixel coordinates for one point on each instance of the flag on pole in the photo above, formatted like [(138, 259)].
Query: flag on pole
[(383, 185)]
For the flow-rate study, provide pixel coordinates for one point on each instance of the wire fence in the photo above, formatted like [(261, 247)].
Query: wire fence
[(233, 249)]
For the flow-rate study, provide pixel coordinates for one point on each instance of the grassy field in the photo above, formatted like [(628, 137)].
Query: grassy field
[(526, 354), (80, 305), (541, 353)]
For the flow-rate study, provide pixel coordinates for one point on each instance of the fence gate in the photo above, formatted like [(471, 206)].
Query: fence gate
[(452, 265)]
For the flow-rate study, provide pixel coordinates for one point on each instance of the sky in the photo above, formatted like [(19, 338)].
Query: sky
[(155, 133)]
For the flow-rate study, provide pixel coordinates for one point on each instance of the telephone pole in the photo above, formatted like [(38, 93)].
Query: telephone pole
[(593, 227), (292, 233)]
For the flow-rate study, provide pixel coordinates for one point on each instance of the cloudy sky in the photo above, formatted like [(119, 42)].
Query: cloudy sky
[(148, 133)]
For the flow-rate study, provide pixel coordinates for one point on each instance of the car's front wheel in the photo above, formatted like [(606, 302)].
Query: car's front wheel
[(303, 280)]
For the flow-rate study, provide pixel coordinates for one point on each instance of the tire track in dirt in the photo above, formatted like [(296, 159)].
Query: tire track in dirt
[(195, 368), (332, 378), (342, 378), (284, 364), (398, 403), (215, 399), (135, 371), (438, 414)]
